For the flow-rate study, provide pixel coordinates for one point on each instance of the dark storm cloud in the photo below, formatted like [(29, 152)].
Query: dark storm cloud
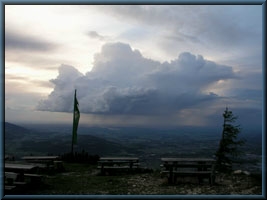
[(18, 41), (124, 82)]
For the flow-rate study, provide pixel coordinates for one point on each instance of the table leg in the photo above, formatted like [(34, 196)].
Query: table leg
[(171, 175), (102, 169)]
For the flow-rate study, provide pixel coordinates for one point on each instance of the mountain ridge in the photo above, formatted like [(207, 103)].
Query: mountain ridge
[(32, 142)]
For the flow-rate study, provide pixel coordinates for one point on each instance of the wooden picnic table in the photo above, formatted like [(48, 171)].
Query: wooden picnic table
[(19, 168), (33, 158), (117, 163), (200, 167), (48, 160)]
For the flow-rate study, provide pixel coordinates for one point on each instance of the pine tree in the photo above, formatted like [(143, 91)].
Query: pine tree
[(228, 150)]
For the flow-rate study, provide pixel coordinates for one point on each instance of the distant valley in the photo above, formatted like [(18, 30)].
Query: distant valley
[(149, 144)]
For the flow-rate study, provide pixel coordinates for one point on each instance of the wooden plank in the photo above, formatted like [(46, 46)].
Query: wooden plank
[(34, 178), (40, 161), (187, 165), (10, 187), (192, 172), (40, 165), (33, 175), (117, 163), (40, 157), (116, 167), (19, 183), (11, 175), (187, 160), (118, 159), (187, 172), (114, 161), (16, 166)]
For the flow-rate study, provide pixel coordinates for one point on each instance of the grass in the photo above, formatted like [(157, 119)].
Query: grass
[(81, 179)]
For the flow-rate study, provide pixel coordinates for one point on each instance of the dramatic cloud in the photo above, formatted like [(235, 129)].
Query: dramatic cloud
[(156, 75), (122, 81)]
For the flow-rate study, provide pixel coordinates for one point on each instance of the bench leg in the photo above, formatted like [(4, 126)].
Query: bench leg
[(131, 167), (212, 179), (102, 170), (171, 177)]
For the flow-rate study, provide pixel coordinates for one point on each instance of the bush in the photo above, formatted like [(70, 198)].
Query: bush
[(80, 157)]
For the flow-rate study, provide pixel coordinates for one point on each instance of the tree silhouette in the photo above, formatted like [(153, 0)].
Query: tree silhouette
[(227, 150)]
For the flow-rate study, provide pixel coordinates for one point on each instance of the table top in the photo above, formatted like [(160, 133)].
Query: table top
[(40, 157), (187, 160), (19, 166), (118, 159)]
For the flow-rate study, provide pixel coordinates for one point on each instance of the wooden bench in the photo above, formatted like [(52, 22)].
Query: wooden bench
[(59, 165), (34, 178), (12, 184), (11, 175), (20, 169), (10, 189), (10, 178), (194, 167), (111, 165), (44, 162)]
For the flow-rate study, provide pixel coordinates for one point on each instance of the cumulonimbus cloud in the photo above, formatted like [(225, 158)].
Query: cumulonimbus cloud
[(122, 81)]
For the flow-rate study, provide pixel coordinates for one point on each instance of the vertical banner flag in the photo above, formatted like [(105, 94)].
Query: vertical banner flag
[(76, 117)]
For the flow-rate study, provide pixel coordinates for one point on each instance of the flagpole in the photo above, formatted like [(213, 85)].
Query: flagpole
[(73, 122)]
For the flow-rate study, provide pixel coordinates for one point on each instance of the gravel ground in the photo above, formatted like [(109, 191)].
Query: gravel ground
[(227, 185)]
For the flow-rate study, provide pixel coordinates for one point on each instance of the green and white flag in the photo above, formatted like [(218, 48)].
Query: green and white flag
[(76, 117)]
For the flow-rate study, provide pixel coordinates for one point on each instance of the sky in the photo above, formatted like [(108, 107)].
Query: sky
[(134, 65)]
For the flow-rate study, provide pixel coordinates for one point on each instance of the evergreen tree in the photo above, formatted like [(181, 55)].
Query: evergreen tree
[(227, 150)]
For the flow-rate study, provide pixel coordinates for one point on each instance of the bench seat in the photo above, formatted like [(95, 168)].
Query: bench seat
[(19, 183), (11, 175), (9, 187), (116, 167), (34, 178), (189, 172), (33, 175)]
